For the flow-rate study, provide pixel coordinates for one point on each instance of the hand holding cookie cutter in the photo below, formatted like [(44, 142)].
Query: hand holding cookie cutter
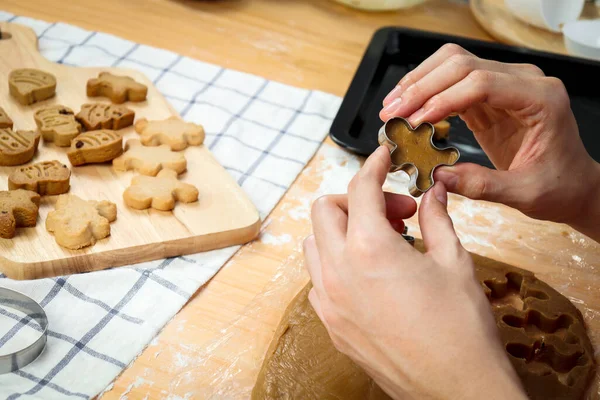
[(412, 151), (19, 359)]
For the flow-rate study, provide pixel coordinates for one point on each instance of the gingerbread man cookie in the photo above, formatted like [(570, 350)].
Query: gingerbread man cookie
[(118, 89), (5, 121), (173, 131), (17, 147), (18, 208), (57, 124), (45, 178), (78, 223), (30, 85), (149, 160), (96, 116), (159, 192)]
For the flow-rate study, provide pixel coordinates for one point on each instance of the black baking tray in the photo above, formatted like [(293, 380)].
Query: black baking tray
[(393, 52)]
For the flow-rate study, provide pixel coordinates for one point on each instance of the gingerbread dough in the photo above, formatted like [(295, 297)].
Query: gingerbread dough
[(78, 223), (149, 160), (543, 333), (159, 192), (173, 131)]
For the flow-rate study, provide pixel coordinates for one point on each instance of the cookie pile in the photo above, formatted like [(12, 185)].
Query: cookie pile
[(90, 136)]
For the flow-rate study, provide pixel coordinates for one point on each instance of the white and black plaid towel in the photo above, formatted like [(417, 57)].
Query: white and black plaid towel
[(261, 131)]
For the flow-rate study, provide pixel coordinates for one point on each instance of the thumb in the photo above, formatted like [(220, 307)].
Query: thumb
[(440, 239), (479, 183)]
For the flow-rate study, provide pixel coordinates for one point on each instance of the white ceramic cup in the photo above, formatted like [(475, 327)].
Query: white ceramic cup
[(582, 38), (546, 14)]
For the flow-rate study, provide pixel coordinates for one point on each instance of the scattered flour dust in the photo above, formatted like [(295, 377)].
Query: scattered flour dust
[(267, 238), (139, 381)]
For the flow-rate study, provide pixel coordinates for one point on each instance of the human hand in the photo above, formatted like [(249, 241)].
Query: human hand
[(522, 120), (419, 324)]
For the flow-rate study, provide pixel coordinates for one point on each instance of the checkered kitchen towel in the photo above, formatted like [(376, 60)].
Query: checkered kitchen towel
[(261, 131)]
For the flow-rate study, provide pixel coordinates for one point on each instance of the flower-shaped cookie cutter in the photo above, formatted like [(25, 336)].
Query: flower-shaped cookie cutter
[(413, 151)]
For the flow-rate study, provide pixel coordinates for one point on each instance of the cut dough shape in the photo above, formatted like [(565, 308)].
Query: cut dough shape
[(117, 88), (96, 116), (18, 208), (543, 334), (45, 178), (95, 147), (149, 160), (17, 147), (57, 124), (172, 131), (159, 192), (78, 223), (29, 85)]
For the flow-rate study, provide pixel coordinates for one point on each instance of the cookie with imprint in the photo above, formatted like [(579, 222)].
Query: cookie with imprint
[(17, 147), (95, 147), (149, 160), (57, 124), (159, 192), (29, 85), (5, 121), (47, 178), (18, 208), (78, 223), (96, 116), (117, 88), (173, 131)]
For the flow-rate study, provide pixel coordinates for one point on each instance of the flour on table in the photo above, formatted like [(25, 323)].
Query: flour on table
[(267, 238)]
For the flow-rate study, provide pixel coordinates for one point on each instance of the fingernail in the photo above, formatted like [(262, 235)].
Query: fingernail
[(418, 116), (440, 193), (448, 177), (393, 107), (392, 95)]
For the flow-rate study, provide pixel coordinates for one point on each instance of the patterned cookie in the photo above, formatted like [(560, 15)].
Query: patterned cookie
[(149, 160), (96, 116), (78, 223), (29, 85), (95, 147), (159, 192), (118, 89), (17, 147), (5, 121), (57, 124), (173, 131), (18, 208), (45, 178)]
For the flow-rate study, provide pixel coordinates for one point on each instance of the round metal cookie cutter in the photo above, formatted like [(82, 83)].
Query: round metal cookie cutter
[(19, 359), (408, 167)]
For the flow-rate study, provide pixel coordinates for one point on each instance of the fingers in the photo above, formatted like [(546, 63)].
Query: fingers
[(313, 262), (481, 183), (437, 229), (451, 71), (329, 217), (366, 202), (498, 90)]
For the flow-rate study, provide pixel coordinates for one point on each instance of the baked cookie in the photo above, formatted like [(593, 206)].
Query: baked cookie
[(57, 124), (118, 89), (96, 116), (29, 85), (17, 147), (5, 121), (173, 131), (78, 223), (18, 208), (95, 147), (159, 192), (149, 160), (46, 178)]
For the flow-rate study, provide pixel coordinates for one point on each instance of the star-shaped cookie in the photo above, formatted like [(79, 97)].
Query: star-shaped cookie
[(18, 208), (159, 192), (172, 131), (149, 160), (78, 223)]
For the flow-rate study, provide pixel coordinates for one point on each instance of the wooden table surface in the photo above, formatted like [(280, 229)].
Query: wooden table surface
[(314, 44)]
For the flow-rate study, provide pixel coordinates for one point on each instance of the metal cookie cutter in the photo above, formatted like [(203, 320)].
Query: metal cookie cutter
[(19, 359), (412, 149), (409, 239)]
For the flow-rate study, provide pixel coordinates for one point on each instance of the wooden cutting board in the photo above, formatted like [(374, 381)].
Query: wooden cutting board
[(222, 217)]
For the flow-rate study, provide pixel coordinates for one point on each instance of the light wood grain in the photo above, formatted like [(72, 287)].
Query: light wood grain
[(223, 216), (499, 22)]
